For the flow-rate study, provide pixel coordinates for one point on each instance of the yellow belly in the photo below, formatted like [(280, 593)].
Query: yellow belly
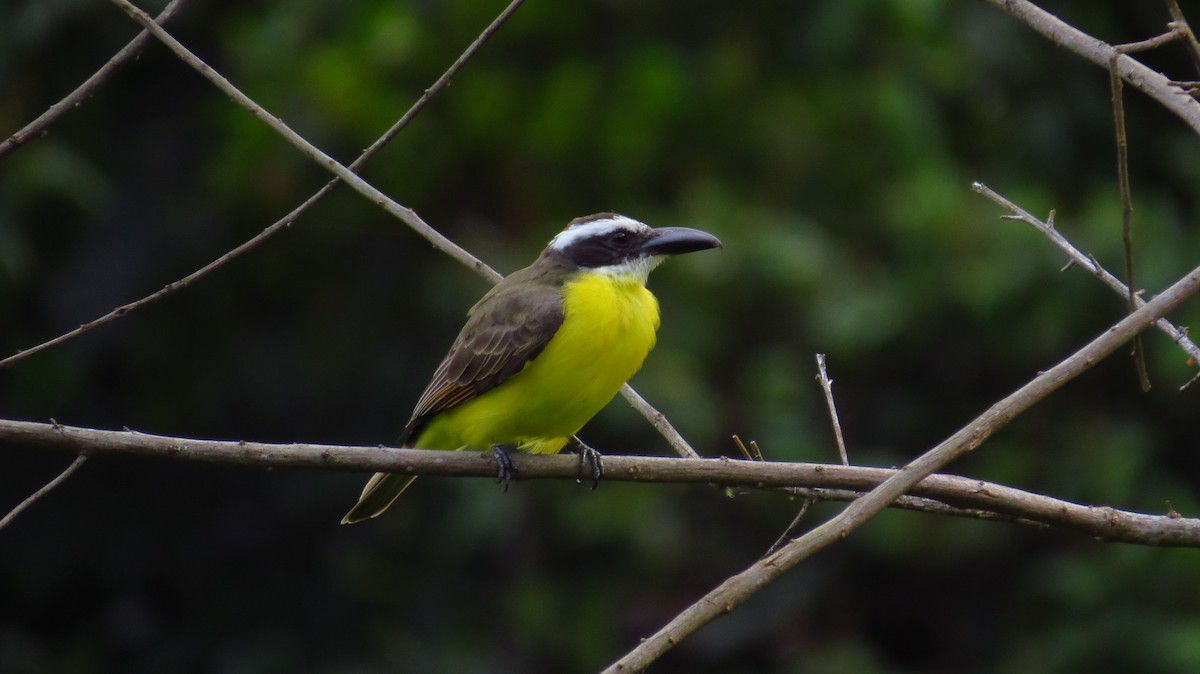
[(608, 328)]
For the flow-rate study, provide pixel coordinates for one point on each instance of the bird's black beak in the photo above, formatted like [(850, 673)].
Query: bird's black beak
[(677, 241)]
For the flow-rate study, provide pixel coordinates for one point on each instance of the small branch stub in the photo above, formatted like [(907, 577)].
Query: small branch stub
[(827, 387)]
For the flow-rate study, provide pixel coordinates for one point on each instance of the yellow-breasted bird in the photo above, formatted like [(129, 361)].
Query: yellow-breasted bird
[(545, 349)]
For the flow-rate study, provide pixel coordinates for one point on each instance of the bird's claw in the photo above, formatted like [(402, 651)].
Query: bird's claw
[(589, 454), (506, 472)]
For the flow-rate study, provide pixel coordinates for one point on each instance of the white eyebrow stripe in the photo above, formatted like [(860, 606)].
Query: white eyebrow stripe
[(569, 236)]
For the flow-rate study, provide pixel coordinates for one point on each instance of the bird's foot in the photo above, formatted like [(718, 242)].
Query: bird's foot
[(589, 454), (506, 472)]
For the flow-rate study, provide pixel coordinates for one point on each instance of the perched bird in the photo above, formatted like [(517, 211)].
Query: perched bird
[(544, 350)]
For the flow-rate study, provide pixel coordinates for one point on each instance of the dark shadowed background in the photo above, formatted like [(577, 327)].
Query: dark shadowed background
[(830, 145)]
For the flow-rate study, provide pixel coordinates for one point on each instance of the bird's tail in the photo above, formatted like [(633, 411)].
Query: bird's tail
[(381, 490)]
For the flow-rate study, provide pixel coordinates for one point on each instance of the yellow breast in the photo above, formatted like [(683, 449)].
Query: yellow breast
[(608, 329)]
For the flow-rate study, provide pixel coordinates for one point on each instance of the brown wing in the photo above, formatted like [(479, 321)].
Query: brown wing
[(507, 328)]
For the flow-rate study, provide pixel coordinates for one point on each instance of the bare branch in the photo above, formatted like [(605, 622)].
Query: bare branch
[(807, 503), (84, 91), (1189, 37), (402, 213), (945, 494), (741, 586), (1149, 82), (1190, 87), (441, 83), (752, 454), (827, 387), (1174, 33), (660, 422), (1089, 263), (287, 220), (12, 514), (1118, 106)]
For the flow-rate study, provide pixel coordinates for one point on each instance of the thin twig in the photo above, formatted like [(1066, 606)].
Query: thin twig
[(1088, 262), (441, 83), (287, 220), (936, 507), (807, 503), (38, 127), (12, 514), (941, 493), (1149, 82), (1190, 87), (805, 494), (827, 387), (737, 440), (1178, 30), (1175, 32), (1191, 381), (660, 422), (751, 454), (739, 587), (402, 213), (1189, 38), (921, 504), (1118, 106)]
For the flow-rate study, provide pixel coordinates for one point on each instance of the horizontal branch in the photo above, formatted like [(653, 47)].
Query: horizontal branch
[(1107, 524)]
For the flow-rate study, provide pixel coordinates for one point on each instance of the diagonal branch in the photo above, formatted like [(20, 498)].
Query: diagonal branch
[(942, 494), (1089, 263), (85, 91), (741, 586), (1149, 82), (402, 213), (287, 220), (23, 505), (660, 422)]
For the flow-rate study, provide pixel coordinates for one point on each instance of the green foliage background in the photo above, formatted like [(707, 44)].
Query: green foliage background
[(830, 145)]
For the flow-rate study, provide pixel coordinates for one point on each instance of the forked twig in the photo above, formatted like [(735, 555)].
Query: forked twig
[(292, 216)]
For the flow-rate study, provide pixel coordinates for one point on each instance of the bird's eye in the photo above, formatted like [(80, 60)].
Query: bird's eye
[(619, 236)]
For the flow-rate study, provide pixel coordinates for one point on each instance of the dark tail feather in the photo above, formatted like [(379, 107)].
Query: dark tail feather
[(381, 490)]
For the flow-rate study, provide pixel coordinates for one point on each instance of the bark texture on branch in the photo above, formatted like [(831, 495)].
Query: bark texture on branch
[(1103, 523)]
